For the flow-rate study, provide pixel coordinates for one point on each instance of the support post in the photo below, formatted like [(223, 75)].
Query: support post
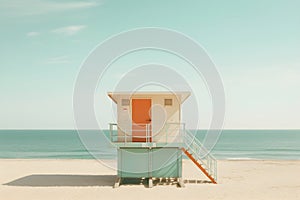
[(150, 183), (117, 182), (180, 182)]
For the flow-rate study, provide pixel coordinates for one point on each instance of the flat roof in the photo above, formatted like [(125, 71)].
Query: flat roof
[(183, 95)]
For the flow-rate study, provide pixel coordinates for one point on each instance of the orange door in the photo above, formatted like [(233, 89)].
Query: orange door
[(141, 120)]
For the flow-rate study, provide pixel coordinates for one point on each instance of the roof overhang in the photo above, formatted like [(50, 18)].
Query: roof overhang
[(182, 96)]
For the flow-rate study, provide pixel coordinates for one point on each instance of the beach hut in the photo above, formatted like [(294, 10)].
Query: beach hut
[(150, 137)]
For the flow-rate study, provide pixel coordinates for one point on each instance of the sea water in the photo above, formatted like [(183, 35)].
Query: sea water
[(64, 144)]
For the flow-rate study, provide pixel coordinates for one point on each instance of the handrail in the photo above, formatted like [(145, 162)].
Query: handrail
[(201, 154)]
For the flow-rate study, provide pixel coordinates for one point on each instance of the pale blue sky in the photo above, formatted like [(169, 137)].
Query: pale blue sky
[(255, 45)]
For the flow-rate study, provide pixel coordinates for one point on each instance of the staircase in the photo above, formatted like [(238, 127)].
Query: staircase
[(200, 156)]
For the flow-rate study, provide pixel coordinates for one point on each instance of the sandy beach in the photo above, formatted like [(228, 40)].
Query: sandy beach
[(88, 179)]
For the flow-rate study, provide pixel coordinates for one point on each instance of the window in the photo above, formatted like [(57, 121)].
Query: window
[(168, 102), (125, 102)]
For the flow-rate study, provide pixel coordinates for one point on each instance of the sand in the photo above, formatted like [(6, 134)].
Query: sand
[(88, 179)]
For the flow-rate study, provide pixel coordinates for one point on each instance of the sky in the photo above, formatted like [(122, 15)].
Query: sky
[(254, 44)]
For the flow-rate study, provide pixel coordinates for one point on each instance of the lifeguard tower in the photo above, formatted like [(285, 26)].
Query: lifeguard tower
[(150, 138)]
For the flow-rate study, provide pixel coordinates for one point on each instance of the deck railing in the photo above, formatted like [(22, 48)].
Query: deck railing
[(170, 133)]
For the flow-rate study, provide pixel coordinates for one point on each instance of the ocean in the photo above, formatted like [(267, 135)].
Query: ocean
[(66, 144)]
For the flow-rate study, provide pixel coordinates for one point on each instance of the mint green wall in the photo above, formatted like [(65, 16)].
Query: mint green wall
[(149, 162)]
